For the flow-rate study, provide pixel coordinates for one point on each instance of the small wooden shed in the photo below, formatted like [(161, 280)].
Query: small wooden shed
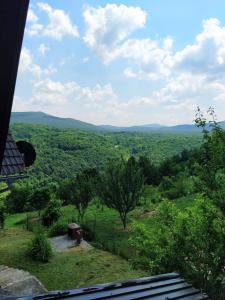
[(75, 232)]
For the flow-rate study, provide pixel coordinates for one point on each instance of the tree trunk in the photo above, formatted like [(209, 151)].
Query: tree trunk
[(124, 221)]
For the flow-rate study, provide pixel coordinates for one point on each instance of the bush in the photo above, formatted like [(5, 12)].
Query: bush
[(52, 212), (89, 233), (191, 242), (59, 228), (176, 187), (40, 248), (17, 199)]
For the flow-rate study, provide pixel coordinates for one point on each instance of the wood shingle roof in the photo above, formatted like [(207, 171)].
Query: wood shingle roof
[(13, 162)]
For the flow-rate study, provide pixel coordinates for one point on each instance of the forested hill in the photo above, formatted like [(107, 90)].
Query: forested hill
[(61, 153), (41, 118)]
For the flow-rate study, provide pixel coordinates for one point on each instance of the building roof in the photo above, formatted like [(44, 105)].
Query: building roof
[(161, 287), (73, 226), (13, 162)]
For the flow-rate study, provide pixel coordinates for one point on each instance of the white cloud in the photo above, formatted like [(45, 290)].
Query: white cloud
[(85, 60), (189, 77), (27, 65), (59, 24), (107, 27), (174, 103), (129, 73), (107, 34), (35, 29), (31, 17), (48, 92), (73, 100), (151, 60), (43, 49), (207, 55)]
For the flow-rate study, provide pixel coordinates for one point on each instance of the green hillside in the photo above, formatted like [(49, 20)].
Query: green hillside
[(61, 153), (41, 118), (45, 119)]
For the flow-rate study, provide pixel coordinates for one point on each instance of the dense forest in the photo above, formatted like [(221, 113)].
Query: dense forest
[(62, 152), (155, 199)]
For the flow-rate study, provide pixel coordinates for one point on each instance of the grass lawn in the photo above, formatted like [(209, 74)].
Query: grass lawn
[(105, 223), (74, 269), (65, 270)]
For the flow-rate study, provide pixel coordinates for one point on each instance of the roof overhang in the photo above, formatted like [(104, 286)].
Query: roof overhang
[(13, 15)]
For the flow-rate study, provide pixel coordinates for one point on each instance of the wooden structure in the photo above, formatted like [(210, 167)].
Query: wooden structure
[(75, 232)]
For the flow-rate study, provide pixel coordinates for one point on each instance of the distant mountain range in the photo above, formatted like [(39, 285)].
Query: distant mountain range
[(46, 119)]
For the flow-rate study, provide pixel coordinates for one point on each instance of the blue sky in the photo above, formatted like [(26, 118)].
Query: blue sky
[(123, 62)]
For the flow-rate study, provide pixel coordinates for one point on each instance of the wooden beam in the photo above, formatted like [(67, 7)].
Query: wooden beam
[(13, 14)]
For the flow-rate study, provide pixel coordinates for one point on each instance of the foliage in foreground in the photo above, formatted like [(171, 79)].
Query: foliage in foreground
[(191, 242), (40, 248)]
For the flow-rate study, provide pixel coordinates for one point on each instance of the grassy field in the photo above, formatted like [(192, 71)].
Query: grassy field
[(104, 224), (73, 269), (65, 270)]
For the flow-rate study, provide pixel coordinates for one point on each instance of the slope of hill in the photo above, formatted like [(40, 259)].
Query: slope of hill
[(46, 119), (61, 153)]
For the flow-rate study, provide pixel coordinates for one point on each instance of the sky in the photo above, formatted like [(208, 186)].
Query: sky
[(123, 62)]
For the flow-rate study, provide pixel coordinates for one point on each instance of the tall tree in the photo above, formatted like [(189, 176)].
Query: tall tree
[(83, 192), (121, 187), (212, 151)]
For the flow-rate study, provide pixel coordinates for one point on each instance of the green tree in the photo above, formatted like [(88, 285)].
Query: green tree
[(17, 199), (148, 170), (211, 169), (121, 187), (191, 242), (52, 212), (66, 191), (83, 192), (39, 199)]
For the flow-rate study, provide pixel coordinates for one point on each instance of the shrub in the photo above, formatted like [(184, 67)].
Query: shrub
[(59, 228), (89, 233), (17, 200), (191, 242), (176, 187), (40, 248), (52, 212)]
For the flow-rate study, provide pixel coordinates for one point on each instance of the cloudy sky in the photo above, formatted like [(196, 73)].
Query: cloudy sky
[(123, 62)]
